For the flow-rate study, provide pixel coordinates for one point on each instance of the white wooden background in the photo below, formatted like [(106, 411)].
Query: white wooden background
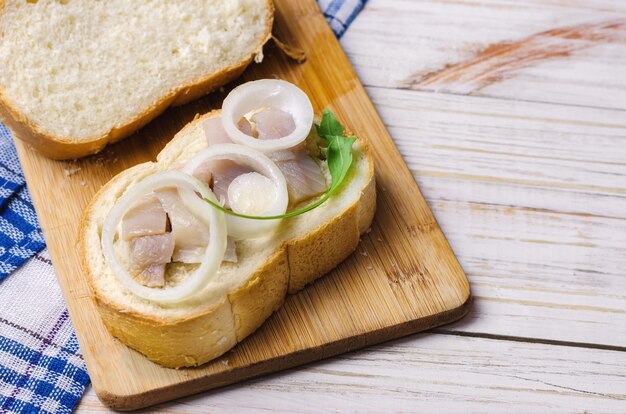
[(512, 116)]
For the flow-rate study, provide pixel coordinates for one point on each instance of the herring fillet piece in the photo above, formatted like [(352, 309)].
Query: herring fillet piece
[(79, 75), (215, 132), (304, 178), (145, 218), (223, 172), (273, 123), (149, 256), (191, 235)]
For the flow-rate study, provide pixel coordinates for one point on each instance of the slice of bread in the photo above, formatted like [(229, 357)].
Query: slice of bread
[(244, 294), (78, 75)]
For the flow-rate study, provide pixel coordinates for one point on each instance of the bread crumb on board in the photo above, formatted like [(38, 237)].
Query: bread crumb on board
[(259, 56), (71, 171)]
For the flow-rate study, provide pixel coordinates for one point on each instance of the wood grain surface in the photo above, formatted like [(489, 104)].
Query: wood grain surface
[(404, 277), (525, 175), (427, 373)]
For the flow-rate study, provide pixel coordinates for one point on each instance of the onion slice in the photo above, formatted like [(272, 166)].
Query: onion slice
[(187, 186), (239, 227), (272, 93)]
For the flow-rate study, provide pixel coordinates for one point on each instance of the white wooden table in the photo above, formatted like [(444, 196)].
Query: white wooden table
[(512, 116)]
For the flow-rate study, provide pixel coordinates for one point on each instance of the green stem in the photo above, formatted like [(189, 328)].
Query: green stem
[(282, 216)]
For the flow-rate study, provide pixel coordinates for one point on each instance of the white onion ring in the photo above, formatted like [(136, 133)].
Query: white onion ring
[(239, 227), (215, 250), (268, 93)]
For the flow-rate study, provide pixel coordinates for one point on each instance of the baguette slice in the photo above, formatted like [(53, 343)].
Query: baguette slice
[(245, 294), (78, 75)]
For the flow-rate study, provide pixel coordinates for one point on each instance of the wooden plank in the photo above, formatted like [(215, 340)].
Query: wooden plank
[(405, 279), (577, 154), (570, 52), (430, 373), (533, 200), (538, 274)]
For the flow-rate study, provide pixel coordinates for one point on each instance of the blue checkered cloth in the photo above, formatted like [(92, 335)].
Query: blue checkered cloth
[(340, 13), (20, 236), (41, 367)]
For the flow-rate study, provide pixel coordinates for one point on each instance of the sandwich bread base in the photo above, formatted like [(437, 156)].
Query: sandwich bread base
[(244, 295)]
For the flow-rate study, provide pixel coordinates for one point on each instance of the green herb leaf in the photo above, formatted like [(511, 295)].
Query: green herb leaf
[(329, 125), (338, 156)]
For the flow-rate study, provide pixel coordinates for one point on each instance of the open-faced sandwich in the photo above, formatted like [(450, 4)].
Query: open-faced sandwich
[(190, 254)]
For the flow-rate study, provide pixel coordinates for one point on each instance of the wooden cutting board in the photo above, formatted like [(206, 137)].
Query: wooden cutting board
[(403, 278)]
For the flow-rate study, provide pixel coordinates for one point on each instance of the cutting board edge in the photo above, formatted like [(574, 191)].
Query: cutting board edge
[(168, 393)]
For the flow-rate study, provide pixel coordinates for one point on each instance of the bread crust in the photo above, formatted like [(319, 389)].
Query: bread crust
[(202, 336), (62, 148)]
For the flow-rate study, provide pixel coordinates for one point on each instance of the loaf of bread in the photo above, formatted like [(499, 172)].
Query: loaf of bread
[(78, 75), (243, 294)]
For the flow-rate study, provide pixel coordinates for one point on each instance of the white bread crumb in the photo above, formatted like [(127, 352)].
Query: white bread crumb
[(71, 171)]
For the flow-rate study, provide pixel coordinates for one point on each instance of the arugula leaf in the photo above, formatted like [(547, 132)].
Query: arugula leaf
[(338, 156), (329, 125)]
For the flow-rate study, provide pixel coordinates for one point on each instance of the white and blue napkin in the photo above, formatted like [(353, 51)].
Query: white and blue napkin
[(340, 13), (41, 368)]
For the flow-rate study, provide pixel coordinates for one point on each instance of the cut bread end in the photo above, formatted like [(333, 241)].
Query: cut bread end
[(243, 295), (79, 76)]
